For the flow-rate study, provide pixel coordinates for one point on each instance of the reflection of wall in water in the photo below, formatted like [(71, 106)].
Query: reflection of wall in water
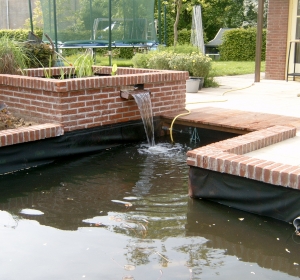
[(252, 239)]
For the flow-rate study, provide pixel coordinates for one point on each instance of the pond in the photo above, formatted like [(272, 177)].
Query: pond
[(125, 214)]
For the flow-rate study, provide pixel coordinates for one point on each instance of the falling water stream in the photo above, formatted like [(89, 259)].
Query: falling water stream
[(144, 104)]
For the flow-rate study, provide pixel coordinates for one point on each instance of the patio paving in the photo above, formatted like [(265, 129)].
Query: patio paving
[(265, 97), (266, 113)]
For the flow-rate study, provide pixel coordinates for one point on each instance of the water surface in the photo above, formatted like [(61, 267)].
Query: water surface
[(125, 214)]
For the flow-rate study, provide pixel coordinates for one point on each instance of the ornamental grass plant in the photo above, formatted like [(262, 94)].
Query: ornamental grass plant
[(13, 58)]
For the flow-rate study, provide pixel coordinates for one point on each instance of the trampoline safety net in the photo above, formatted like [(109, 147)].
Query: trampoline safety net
[(87, 21)]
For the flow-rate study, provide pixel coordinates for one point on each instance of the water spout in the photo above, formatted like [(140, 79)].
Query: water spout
[(142, 99)]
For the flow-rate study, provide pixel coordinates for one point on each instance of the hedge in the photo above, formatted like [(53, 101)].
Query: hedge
[(240, 44), (19, 35)]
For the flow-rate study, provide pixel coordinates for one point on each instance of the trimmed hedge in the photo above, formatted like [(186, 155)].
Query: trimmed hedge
[(19, 35), (240, 44)]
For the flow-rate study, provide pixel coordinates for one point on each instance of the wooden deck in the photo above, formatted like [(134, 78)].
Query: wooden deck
[(234, 121)]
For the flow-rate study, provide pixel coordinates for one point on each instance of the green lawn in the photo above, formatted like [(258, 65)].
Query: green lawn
[(219, 68), (231, 68)]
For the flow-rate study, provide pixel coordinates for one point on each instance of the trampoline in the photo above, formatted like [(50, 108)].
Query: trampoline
[(99, 23)]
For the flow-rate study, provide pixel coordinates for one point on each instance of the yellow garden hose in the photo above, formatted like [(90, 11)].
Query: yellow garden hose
[(171, 127)]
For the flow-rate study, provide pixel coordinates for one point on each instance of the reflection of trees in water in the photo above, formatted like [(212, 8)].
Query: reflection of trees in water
[(199, 255), (144, 251)]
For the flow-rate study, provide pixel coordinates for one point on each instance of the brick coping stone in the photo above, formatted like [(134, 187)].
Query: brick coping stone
[(30, 133), (228, 157)]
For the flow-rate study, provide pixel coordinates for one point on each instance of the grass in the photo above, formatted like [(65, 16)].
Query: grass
[(219, 68), (103, 61), (231, 68)]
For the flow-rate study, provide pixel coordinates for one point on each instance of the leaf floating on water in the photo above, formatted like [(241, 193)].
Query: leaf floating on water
[(287, 250), (31, 212), (129, 267), (128, 278), (130, 198), (241, 219), (126, 203)]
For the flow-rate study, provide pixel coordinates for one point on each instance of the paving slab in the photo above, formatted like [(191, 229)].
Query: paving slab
[(265, 97)]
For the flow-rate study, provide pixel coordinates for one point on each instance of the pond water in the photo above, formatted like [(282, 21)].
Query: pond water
[(125, 214)]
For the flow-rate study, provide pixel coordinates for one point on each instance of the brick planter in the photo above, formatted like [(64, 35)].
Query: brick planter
[(93, 101)]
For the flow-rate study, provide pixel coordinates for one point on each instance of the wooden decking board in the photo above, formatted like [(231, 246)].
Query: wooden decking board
[(235, 121)]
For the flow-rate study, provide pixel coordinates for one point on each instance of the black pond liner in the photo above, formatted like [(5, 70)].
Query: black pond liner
[(281, 203), (85, 141), (251, 238)]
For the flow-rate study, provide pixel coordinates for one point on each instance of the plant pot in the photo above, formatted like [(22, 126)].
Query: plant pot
[(201, 81), (192, 85)]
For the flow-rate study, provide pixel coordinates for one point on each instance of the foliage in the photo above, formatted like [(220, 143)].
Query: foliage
[(20, 35), (184, 36), (40, 55), (37, 17), (180, 48), (216, 14), (114, 70), (13, 58), (197, 64), (160, 60), (240, 45), (140, 60), (83, 65), (126, 53), (182, 58)]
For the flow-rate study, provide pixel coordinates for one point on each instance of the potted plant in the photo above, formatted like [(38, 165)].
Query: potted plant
[(199, 66)]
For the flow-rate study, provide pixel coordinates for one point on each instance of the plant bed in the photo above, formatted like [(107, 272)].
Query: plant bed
[(91, 101), (9, 121)]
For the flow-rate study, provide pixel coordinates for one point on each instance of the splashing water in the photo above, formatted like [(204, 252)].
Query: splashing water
[(144, 104)]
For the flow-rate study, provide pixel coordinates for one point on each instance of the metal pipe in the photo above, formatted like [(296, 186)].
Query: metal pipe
[(91, 20), (109, 31), (159, 21), (165, 25), (7, 14), (30, 14), (55, 25), (260, 15)]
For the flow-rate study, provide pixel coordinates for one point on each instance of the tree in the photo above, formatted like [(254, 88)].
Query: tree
[(178, 4)]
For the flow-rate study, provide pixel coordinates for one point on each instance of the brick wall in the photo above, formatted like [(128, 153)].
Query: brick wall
[(94, 101), (277, 39), (228, 157)]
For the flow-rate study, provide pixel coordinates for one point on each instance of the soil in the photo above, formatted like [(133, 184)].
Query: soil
[(9, 121)]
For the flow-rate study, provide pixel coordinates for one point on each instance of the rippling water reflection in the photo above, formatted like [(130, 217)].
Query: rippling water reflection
[(125, 214)]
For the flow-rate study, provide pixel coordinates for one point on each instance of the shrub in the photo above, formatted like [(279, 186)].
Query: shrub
[(184, 48), (180, 58), (140, 60), (20, 35), (197, 64), (13, 58), (39, 55), (160, 60), (240, 45)]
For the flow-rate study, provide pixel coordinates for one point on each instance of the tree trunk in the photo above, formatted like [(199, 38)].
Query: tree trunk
[(178, 6)]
